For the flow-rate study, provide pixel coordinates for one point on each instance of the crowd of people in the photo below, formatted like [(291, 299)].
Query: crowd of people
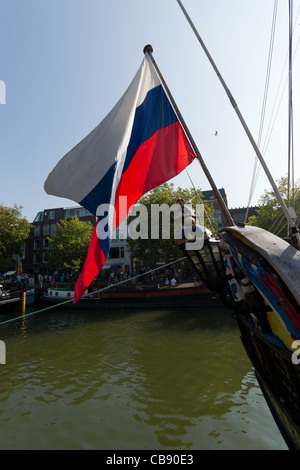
[(165, 277), (143, 276)]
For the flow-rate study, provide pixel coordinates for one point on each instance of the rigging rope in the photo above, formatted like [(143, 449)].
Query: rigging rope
[(254, 177), (273, 118), (290, 107), (201, 202), (284, 86), (280, 219), (91, 293)]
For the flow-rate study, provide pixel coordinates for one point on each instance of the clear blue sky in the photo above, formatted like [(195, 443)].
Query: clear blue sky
[(65, 63)]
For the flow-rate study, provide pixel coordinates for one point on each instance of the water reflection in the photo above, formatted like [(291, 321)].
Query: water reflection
[(131, 380)]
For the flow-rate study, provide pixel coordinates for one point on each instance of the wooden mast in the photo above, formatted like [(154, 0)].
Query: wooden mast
[(148, 50)]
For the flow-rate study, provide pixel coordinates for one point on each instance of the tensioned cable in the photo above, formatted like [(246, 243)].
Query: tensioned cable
[(201, 202), (279, 221), (284, 86), (92, 293), (273, 118), (267, 82), (290, 107), (279, 218)]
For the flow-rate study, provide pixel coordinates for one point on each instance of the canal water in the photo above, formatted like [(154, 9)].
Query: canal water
[(123, 380)]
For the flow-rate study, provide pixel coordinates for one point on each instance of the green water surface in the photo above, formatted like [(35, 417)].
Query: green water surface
[(173, 379)]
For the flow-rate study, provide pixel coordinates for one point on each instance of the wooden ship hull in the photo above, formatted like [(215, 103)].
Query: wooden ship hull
[(257, 275)]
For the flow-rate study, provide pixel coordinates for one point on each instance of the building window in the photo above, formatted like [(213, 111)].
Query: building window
[(218, 217), (36, 244), (53, 229), (46, 244), (114, 252), (69, 213), (46, 229), (45, 258), (37, 231), (36, 258), (80, 212), (52, 215), (39, 217)]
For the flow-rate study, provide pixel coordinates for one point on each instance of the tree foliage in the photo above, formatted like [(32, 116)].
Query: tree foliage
[(150, 250), (69, 246), (270, 214), (14, 230)]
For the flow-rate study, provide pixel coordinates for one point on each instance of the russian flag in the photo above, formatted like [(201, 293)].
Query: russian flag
[(139, 145)]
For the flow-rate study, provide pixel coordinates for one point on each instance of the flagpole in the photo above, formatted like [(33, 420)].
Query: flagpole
[(290, 220), (148, 50)]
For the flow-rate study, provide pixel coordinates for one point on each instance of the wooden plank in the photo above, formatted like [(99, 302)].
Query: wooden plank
[(282, 256)]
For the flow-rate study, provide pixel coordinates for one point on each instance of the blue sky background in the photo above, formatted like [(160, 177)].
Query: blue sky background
[(65, 63)]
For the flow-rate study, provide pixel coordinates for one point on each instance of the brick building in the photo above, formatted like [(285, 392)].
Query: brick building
[(238, 214), (44, 225), (209, 196)]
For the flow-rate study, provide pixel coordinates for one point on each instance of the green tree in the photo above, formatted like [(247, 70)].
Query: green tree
[(270, 214), (149, 249), (14, 230), (69, 246)]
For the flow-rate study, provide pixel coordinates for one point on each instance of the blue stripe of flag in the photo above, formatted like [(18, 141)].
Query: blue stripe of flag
[(153, 114)]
